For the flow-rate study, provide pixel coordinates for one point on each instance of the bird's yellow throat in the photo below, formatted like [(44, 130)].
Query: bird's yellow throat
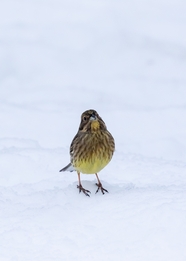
[(95, 125)]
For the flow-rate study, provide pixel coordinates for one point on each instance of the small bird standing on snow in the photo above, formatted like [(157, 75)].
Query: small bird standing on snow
[(91, 149)]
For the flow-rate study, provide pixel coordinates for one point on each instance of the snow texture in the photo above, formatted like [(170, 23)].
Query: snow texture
[(127, 60)]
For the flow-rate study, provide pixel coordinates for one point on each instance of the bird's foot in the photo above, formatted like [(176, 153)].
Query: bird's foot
[(100, 187), (85, 191)]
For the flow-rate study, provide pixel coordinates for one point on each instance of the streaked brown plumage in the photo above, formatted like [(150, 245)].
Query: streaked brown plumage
[(91, 149)]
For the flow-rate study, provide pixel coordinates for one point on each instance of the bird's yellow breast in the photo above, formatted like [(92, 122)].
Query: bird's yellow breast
[(96, 152), (91, 165)]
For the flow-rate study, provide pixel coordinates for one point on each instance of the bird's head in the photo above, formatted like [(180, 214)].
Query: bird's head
[(91, 121)]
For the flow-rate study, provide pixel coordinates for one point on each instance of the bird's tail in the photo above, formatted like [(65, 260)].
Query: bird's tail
[(69, 167)]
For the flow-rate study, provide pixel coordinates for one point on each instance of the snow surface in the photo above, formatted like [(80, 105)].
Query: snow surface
[(127, 60)]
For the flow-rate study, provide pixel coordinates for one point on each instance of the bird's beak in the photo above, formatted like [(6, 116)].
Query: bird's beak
[(93, 117)]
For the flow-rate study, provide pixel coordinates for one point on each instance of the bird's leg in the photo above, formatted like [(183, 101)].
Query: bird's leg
[(80, 187), (100, 186)]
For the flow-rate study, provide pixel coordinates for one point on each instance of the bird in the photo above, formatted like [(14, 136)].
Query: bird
[(91, 149)]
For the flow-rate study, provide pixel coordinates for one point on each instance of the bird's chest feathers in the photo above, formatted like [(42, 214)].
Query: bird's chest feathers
[(95, 155)]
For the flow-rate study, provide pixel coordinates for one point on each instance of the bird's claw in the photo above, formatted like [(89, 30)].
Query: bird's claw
[(100, 187), (85, 191)]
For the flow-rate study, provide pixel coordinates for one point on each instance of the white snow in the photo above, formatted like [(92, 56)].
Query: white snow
[(127, 60)]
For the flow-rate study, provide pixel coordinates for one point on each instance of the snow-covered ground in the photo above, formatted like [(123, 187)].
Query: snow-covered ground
[(127, 60)]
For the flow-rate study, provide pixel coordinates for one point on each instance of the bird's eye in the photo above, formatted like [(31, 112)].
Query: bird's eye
[(84, 118)]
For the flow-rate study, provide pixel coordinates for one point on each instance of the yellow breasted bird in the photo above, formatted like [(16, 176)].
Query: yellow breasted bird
[(91, 149)]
